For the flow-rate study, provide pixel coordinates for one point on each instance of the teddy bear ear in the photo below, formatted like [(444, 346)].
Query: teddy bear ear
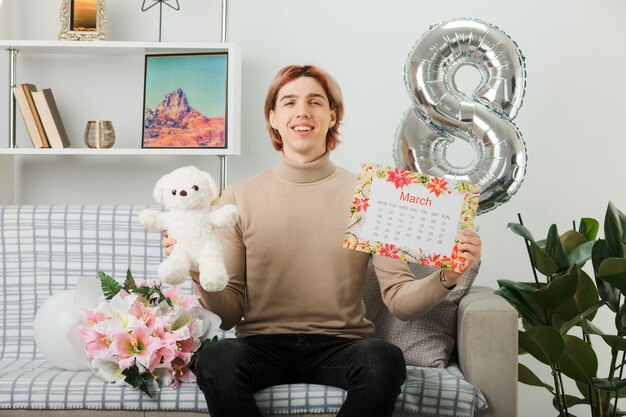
[(159, 188), (211, 183)]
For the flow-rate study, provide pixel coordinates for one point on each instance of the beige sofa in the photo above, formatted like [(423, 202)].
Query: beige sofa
[(44, 248)]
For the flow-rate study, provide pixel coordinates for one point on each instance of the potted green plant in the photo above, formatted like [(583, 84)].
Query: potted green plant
[(557, 311)]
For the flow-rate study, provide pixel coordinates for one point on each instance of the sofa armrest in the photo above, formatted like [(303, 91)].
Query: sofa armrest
[(487, 349)]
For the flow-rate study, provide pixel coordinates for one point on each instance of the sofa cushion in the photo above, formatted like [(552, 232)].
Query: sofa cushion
[(428, 340), (36, 384), (45, 249)]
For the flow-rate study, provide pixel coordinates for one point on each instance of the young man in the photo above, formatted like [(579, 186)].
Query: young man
[(295, 293)]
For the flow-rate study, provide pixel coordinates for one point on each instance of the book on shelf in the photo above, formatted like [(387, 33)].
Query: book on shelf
[(51, 118), (24, 98)]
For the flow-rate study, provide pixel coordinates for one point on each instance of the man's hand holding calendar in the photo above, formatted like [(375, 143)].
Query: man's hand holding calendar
[(416, 218), (470, 246)]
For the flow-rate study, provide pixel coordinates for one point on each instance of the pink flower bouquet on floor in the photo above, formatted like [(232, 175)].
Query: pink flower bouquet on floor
[(146, 336)]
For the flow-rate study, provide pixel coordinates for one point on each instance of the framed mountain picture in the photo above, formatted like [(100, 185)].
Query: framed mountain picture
[(185, 101)]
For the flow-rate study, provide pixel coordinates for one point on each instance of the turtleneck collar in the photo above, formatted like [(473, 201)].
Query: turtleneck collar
[(305, 173)]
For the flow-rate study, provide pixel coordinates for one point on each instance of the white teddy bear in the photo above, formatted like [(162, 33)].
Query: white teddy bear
[(188, 193)]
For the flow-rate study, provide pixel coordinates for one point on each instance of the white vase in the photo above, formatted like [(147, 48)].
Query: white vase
[(56, 333), (87, 295)]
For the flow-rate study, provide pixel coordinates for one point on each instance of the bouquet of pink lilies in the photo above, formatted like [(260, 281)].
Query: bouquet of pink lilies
[(146, 336)]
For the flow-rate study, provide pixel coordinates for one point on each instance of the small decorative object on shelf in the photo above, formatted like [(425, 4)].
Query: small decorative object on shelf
[(99, 134), (83, 20), (148, 4)]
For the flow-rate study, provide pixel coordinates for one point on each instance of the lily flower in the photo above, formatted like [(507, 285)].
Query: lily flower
[(96, 343), (134, 345), (108, 370)]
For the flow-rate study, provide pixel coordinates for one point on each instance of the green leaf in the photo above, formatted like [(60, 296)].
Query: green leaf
[(608, 385), (153, 294), (544, 343), (589, 327), (146, 292), (613, 271), (555, 250), (162, 296), (148, 384), (557, 292), (599, 253), (574, 321), (539, 258), (622, 221), (526, 376), (522, 231), (614, 231), (521, 351), (525, 287), (581, 254), (620, 320), (571, 240), (542, 261), (571, 401), (608, 293), (589, 227), (584, 390), (203, 345), (129, 282), (579, 361), (622, 393), (615, 342), (621, 384), (520, 304), (110, 287), (144, 382), (585, 297)]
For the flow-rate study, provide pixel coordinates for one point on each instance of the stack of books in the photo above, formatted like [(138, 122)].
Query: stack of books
[(41, 116)]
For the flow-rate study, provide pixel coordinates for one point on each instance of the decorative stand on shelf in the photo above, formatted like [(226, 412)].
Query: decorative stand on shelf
[(160, 3)]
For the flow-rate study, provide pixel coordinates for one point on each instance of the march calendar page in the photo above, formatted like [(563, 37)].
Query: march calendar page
[(411, 216)]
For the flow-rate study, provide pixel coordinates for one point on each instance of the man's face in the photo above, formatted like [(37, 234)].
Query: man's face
[(302, 117)]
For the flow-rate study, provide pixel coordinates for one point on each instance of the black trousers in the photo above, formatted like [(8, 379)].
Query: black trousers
[(231, 371)]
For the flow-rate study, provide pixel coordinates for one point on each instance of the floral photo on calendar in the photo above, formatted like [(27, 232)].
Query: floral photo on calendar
[(411, 216)]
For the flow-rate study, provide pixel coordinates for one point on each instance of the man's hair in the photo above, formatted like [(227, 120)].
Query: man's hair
[(331, 88)]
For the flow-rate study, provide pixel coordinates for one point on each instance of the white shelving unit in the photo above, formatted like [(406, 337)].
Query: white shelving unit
[(17, 48), (112, 151)]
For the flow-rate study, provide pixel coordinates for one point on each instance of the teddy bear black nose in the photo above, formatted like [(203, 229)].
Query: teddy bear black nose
[(183, 193)]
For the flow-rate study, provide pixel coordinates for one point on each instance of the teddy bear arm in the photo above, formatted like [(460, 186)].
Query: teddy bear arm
[(225, 216), (153, 219)]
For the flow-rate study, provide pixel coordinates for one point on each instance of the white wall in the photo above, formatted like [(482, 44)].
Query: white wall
[(5, 20), (572, 117)]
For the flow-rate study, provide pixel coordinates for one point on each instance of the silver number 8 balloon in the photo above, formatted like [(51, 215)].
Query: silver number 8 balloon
[(441, 112)]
